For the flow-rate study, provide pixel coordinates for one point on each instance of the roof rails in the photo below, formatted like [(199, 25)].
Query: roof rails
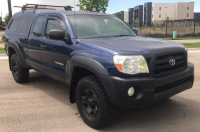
[(38, 6)]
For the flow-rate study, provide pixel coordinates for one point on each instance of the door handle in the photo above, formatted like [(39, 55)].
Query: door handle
[(42, 45)]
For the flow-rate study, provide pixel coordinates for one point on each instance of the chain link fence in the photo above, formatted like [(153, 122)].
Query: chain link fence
[(184, 28)]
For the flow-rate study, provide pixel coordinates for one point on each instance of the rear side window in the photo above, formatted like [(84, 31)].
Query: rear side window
[(37, 30), (24, 25), (14, 25)]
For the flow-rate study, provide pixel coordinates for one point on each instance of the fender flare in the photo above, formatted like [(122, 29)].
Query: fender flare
[(86, 63), (96, 68), (20, 54)]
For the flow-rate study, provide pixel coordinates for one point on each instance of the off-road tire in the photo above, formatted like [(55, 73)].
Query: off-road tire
[(20, 74), (106, 111)]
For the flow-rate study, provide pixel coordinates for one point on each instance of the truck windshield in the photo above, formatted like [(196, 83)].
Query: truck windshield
[(88, 26)]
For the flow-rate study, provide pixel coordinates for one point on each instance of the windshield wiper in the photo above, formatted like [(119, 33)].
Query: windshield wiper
[(121, 35)]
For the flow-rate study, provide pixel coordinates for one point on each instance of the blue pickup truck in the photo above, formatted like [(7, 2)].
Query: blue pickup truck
[(106, 64)]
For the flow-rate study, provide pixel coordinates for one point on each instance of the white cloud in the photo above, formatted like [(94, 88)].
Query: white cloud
[(4, 4)]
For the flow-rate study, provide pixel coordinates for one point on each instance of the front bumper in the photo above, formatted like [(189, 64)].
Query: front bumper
[(149, 90)]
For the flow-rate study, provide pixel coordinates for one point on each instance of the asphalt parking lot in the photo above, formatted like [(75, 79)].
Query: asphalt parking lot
[(42, 104)]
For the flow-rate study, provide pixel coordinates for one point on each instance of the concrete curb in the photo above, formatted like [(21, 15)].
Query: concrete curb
[(3, 55), (191, 49)]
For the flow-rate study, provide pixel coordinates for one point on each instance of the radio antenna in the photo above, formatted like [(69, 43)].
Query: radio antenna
[(75, 22)]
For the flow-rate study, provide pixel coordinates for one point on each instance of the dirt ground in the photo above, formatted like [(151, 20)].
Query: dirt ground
[(42, 104)]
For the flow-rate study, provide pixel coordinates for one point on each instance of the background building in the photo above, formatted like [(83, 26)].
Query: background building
[(120, 15), (197, 15), (130, 12), (155, 12), (184, 11), (151, 13), (147, 14), (138, 14), (126, 17), (175, 11)]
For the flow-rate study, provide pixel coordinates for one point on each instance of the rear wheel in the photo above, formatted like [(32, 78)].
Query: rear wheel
[(93, 103), (20, 74)]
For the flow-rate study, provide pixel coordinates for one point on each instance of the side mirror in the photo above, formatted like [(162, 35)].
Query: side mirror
[(56, 34), (136, 30)]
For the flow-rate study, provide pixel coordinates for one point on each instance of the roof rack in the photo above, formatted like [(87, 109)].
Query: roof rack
[(38, 6)]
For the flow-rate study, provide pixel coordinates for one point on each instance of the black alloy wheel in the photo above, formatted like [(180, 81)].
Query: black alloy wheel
[(15, 68), (20, 74), (93, 103), (89, 102)]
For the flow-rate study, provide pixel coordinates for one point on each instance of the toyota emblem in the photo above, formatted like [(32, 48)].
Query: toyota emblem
[(172, 62)]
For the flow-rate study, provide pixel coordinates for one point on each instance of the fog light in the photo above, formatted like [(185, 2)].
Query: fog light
[(131, 91)]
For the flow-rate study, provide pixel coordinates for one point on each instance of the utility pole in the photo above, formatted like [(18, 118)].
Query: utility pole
[(9, 9), (194, 28), (166, 29), (1, 20)]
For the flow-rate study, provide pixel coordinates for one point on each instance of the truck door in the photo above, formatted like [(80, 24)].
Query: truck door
[(54, 53)]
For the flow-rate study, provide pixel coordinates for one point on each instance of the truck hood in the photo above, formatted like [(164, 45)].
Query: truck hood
[(132, 45)]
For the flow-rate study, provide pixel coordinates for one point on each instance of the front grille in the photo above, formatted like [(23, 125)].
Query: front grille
[(162, 63), (172, 85)]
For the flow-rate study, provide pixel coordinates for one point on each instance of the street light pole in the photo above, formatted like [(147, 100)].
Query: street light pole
[(9, 9)]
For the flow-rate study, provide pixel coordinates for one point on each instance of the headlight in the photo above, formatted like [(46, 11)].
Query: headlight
[(131, 64)]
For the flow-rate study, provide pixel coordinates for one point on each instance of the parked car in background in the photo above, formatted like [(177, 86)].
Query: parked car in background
[(2, 28)]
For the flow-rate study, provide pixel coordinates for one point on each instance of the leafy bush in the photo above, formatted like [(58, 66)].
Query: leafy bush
[(6, 19)]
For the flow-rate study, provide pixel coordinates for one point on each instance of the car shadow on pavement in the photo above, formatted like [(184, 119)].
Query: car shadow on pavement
[(167, 113), (172, 114), (52, 87)]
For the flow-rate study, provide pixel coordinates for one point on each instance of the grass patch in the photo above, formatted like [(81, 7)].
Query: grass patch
[(192, 45), (181, 38), (1, 42), (2, 51)]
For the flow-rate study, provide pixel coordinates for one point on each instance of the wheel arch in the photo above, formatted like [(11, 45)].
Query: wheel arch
[(84, 66), (13, 47)]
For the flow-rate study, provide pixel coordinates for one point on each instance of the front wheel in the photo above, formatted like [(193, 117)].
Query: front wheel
[(20, 74), (93, 103)]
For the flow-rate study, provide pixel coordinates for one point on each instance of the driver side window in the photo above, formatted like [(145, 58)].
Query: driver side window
[(52, 24)]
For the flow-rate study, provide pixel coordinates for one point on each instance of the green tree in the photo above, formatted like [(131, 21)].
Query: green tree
[(93, 5), (167, 19), (137, 21), (0, 22), (6, 18)]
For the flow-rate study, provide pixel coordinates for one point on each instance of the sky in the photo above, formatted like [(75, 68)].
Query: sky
[(113, 7)]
